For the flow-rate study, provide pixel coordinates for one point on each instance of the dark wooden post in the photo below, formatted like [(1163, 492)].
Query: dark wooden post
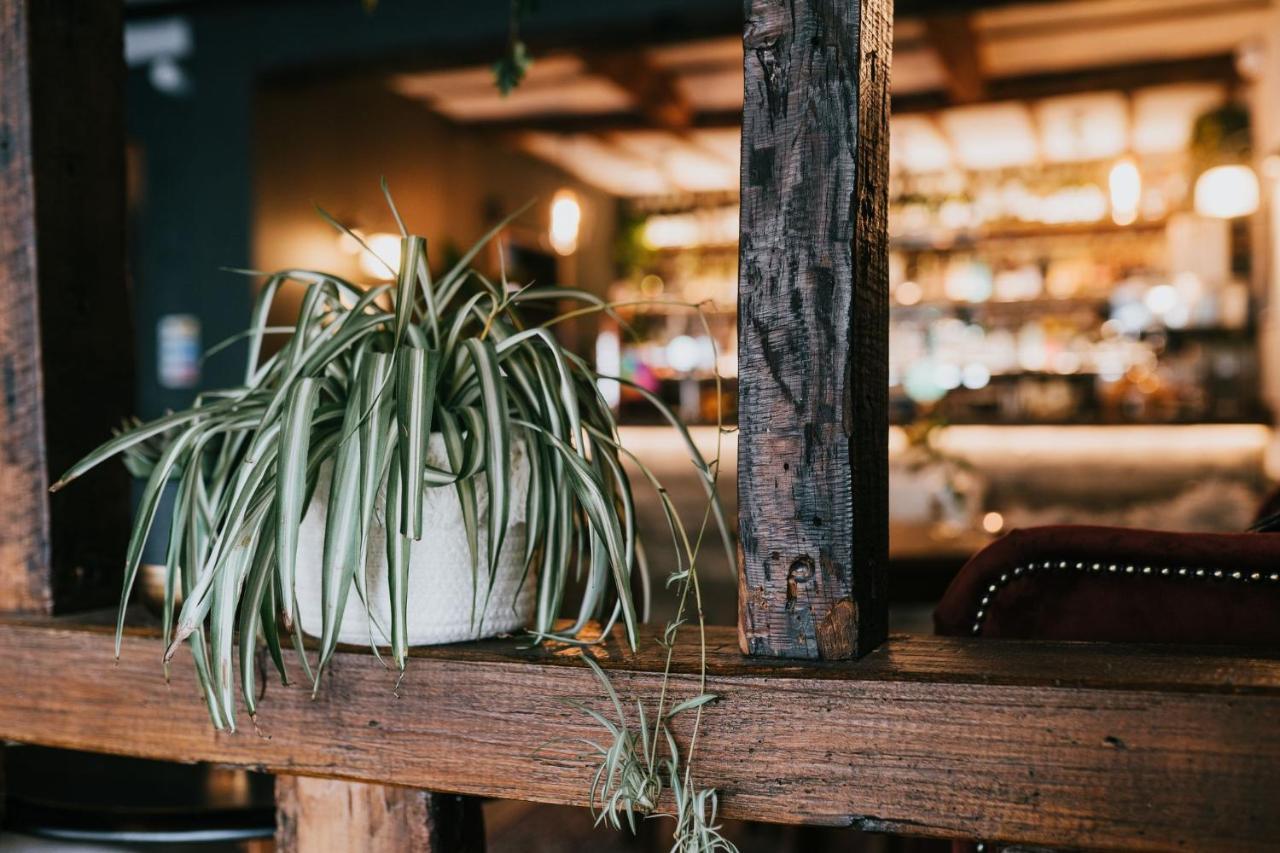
[(66, 338), (332, 816), (813, 328)]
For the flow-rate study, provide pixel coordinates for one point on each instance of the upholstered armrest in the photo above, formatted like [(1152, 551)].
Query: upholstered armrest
[(1118, 584)]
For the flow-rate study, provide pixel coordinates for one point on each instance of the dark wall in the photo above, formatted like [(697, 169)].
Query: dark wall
[(191, 216)]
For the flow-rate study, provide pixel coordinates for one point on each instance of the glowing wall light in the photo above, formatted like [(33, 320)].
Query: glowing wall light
[(349, 241), (566, 219), (1125, 183), (609, 363), (383, 258), (1225, 192)]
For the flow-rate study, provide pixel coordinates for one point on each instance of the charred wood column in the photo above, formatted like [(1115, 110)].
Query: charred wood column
[(813, 328), (66, 366)]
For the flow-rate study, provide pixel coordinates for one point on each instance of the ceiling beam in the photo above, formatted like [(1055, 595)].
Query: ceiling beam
[(953, 39), (657, 95), (1216, 68), (925, 8), (601, 122)]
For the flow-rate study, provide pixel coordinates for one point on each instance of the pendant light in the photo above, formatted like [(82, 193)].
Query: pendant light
[(1227, 187)]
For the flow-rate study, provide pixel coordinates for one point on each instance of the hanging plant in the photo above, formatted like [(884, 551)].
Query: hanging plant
[(512, 66), (324, 492)]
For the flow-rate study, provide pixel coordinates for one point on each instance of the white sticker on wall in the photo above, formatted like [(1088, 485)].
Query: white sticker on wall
[(178, 348)]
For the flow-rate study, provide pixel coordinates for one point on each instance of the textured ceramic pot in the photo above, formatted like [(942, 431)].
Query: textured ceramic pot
[(442, 588)]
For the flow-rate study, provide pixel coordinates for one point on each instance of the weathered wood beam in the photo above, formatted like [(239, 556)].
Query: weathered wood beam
[(813, 328), (25, 585), (334, 816), (1065, 744), (66, 344), (954, 40)]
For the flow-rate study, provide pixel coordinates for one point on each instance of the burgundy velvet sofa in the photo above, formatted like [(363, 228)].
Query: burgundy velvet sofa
[(1121, 585)]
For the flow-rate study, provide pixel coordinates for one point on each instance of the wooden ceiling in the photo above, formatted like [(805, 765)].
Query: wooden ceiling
[(663, 119)]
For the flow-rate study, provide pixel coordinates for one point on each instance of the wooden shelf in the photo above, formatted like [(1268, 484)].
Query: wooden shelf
[(1071, 744), (964, 240), (1045, 303)]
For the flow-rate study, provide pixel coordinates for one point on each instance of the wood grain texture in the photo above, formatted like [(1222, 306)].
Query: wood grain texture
[(1098, 746), (813, 328), (24, 522), (317, 815), (66, 346)]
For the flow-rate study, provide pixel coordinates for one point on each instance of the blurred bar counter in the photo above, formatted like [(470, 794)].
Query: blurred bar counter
[(952, 489)]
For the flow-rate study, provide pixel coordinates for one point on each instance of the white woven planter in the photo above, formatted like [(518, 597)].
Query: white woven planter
[(440, 575)]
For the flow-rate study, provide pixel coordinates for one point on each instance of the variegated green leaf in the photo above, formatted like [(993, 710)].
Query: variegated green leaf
[(497, 446), (341, 534), (291, 482), (398, 554), (257, 590), (415, 395)]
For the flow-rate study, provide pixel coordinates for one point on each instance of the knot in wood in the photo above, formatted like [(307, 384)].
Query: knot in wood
[(799, 574)]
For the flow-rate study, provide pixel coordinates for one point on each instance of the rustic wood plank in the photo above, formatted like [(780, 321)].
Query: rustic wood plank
[(24, 523), (1053, 743), (65, 304), (813, 328), (317, 815)]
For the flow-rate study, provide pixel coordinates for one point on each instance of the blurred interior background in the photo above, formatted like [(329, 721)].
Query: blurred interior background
[(1083, 230), (1081, 242)]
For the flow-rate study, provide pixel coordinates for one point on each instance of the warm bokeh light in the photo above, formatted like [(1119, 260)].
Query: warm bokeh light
[(1125, 183), (349, 241), (1225, 192), (682, 353), (382, 259), (609, 363), (716, 226), (993, 522), (566, 219), (908, 293)]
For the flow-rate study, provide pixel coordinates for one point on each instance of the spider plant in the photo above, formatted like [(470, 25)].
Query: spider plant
[(365, 377)]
